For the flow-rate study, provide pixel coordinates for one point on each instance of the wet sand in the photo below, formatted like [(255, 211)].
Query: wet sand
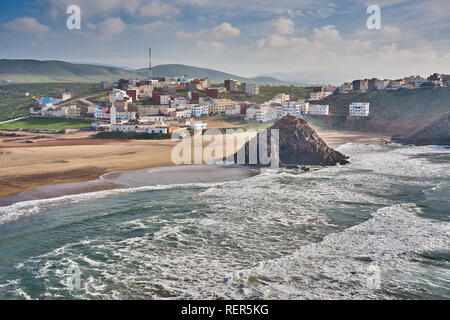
[(76, 158)]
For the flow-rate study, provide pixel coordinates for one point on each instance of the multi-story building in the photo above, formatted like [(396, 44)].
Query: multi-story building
[(263, 114), (359, 109), (250, 112), (316, 96), (377, 84), (283, 97), (161, 98), (212, 93), (360, 85), (231, 85), (296, 109), (200, 111), (319, 110), (250, 88), (181, 114), (101, 113)]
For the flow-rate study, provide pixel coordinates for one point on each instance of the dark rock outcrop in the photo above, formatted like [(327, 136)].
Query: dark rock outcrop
[(435, 133), (299, 144)]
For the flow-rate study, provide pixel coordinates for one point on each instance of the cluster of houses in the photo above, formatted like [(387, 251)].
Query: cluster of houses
[(154, 106), (280, 106), (436, 80)]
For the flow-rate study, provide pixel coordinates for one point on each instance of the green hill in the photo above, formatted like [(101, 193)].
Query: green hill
[(28, 71), (34, 71), (173, 70)]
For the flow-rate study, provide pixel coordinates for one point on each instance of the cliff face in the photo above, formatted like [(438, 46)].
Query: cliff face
[(435, 133), (299, 144)]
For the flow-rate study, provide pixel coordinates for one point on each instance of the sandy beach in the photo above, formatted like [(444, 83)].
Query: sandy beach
[(50, 160)]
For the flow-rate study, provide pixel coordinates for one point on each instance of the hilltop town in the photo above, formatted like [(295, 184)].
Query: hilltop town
[(166, 104)]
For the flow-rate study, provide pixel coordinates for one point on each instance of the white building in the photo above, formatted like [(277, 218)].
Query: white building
[(263, 114), (250, 113), (141, 128), (316, 96), (359, 109), (164, 99), (145, 119), (319, 110), (296, 109), (118, 95), (182, 114), (199, 111)]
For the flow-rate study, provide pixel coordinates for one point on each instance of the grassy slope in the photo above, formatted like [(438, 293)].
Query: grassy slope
[(268, 92), (46, 124), (391, 112), (32, 71), (14, 103), (403, 105), (173, 70)]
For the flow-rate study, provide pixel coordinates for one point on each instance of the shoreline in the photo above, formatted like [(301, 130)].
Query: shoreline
[(56, 161)]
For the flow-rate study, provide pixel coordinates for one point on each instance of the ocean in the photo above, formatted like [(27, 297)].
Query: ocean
[(378, 228)]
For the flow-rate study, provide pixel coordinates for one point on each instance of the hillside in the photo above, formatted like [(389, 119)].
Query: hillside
[(14, 102), (29, 71), (173, 70), (34, 71), (435, 133), (392, 112)]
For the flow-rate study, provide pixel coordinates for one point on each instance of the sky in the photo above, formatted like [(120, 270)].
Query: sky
[(298, 40)]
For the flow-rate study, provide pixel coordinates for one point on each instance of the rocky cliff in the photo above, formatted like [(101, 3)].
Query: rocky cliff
[(435, 133), (299, 144)]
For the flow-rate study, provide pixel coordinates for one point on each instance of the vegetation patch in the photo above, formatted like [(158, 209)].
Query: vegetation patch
[(46, 124)]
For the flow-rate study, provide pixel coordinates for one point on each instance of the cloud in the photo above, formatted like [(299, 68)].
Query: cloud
[(200, 3), (327, 34), (148, 27), (157, 8), (225, 30), (109, 28), (26, 24), (210, 45), (277, 41), (189, 35), (283, 26)]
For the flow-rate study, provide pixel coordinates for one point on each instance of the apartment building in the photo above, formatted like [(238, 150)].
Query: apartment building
[(231, 85), (249, 88), (200, 111), (316, 96), (319, 110), (359, 109), (296, 109)]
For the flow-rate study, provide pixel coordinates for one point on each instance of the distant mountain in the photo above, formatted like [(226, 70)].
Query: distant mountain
[(57, 71), (28, 71), (173, 70)]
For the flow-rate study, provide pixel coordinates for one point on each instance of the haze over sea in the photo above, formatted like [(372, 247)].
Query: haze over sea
[(226, 233)]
